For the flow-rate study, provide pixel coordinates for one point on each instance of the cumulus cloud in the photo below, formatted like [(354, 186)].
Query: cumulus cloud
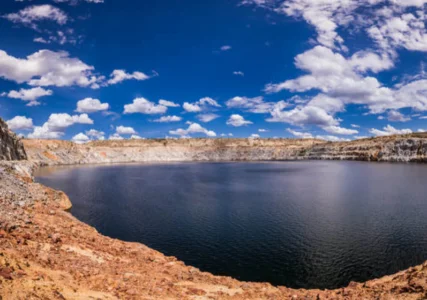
[(238, 73), (168, 119), (80, 138), (115, 137), (31, 15), (20, 123), (168, 103), (389, 23), (389, 130), (340, 130), (201, 105), (143, 106), (303, 135), (395, 116), (136, 137), (47, 68), (56, 125), (189, 107), (341, 82), (253, 105), (30, 95), (225, 48), (90, 105), (125, 130), (99, 135), (120, 75), (192, 128), (206, 118), (332, 138), (237, 121)]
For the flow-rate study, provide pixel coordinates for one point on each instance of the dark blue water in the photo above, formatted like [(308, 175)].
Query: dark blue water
[(300, 224)]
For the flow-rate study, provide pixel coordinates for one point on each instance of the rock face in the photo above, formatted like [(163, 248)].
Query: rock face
[(11, 147), (408, 148)]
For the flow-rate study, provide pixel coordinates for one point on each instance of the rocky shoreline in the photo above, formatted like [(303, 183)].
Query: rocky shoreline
[(45, 253)]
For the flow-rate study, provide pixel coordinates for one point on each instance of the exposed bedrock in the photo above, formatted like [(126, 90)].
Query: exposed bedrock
[(11, 147), (409, 148)]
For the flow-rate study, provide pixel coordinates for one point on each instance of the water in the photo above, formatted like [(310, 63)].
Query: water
[(301, 224)]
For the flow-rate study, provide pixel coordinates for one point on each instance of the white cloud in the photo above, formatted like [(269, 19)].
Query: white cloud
[(115, 137), (303, 115), (206, 118), (225, 48), (56, 124), (30, 95), (90, 105), (255, 136), (339, 130), (355, 126), (189, 107), (395, 116), (31, 15), (136, 137), (262, 130), (389, 130), (20, 123), (143, 106), (80, 138), (168, 119), (253, 105), (193, 128), (239, 73), (75, 1), (99, 135), (237, 121), (224, 135), (303, 135), (125, 130), (331, 138), (47, 68), (391, 23), (120, 75), (168, 103), (201, 105)]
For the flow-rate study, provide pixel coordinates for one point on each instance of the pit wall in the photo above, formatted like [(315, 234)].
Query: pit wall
[(396, 149)]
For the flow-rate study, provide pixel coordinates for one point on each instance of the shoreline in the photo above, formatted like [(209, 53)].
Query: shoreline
[(99, 267), (47, 253)]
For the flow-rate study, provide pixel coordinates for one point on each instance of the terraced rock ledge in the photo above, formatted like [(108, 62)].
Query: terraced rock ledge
[(45, 253)]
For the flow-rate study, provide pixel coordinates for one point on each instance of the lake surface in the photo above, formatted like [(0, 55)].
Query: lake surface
[(312, 224)]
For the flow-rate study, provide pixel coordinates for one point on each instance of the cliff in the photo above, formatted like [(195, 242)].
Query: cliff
[(11, 147), (407, 148)]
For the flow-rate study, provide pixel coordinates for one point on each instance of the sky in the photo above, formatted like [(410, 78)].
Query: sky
[(336, 70)]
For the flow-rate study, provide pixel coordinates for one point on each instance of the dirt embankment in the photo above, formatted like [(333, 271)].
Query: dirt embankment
[(45, 253), (409, 148)]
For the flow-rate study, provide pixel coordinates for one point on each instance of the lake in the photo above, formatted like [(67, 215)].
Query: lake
[(310, 224)]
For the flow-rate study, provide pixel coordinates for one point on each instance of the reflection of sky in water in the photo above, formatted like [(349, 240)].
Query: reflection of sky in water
[(300, 224)]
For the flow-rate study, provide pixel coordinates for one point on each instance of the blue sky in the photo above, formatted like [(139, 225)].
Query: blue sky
[(331, 69)]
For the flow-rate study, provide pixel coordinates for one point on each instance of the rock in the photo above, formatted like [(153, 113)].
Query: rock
[(56, 238), (11, 147), (6, 273)]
